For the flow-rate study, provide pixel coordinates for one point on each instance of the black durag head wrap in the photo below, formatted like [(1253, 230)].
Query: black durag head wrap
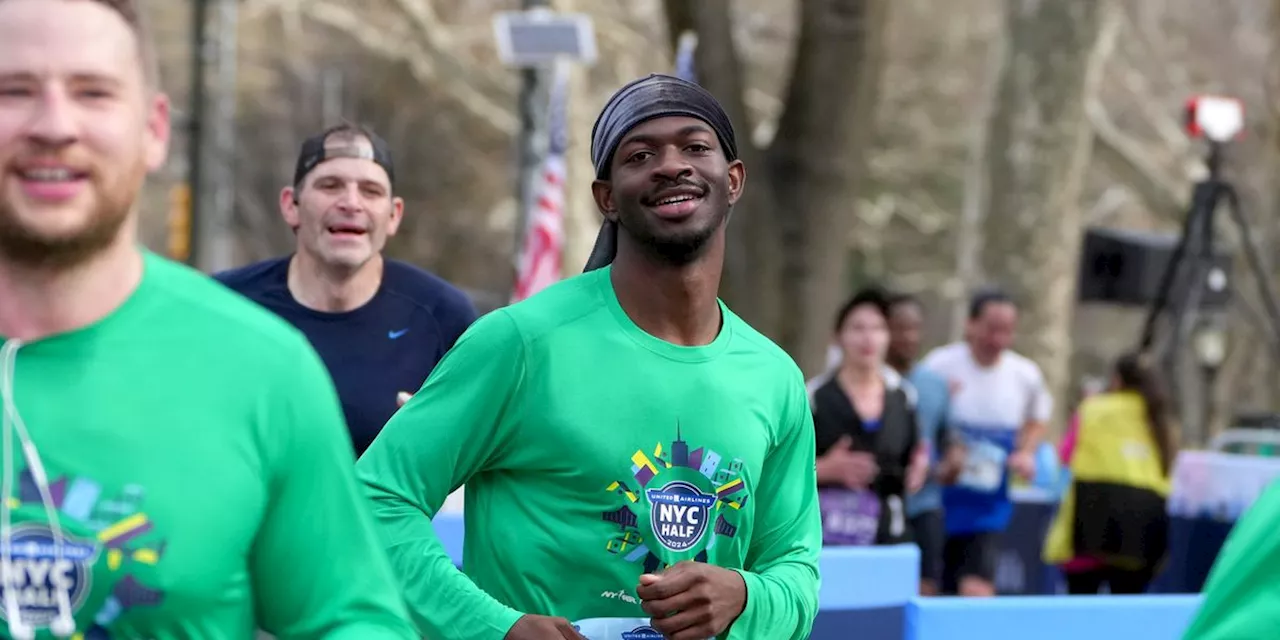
[(654, 96)]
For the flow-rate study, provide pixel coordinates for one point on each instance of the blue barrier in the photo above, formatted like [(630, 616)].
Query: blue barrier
[(869, 593), (1050, 618), (865, 591), (864, 594), (451, 531)]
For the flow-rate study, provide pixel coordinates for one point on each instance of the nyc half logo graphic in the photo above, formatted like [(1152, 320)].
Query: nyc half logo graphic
[(679, 511), (675, 504), (105, 542), (43, 567)]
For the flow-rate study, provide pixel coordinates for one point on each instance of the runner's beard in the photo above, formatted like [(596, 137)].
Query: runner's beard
[(26, 245)]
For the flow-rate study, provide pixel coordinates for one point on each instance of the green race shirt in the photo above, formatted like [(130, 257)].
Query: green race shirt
[(1242, 594), (594, 452), (200, 474)]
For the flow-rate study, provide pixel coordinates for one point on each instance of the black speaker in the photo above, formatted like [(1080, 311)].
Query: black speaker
[(1126, 267)]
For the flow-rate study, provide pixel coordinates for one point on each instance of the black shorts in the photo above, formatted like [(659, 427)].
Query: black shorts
[(969, 555), (930, 533)]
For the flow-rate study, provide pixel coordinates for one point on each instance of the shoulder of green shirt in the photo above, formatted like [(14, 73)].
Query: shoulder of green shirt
[(559, 305), (766, 346), (788, 371), (227, 315)]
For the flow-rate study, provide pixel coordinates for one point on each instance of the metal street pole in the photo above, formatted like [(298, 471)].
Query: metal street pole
[(195, 127), (223, 243), (214, 197)]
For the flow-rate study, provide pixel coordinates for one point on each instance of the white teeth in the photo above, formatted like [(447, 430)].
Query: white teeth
[(675, 199), (48, 174)]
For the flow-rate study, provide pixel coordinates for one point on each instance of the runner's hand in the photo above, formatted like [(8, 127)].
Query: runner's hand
[(1023, 463), (402, 398), (952, 464), (692, 600), (531, 627), (918, 470), (855, 469)]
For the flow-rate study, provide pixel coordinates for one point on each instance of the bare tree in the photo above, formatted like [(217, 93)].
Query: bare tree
[(1038, 150), (790, 233), (836, 194)]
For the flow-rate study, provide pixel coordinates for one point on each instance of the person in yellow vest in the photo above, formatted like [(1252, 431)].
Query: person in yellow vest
[(1111, 527)]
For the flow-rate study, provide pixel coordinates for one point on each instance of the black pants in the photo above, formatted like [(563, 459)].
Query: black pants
[(969, 555), (1121, 581), (931, 535)]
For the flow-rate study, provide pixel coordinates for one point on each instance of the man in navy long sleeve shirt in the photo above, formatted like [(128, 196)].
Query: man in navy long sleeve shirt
[(379, 325)]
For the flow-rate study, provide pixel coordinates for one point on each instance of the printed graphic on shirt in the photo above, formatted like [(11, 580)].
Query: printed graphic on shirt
[(642, 633), (92, 561), (675, 504)]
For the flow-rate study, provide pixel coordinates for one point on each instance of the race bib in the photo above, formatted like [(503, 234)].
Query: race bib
[(617, 629), (983, 467), (849, 517)]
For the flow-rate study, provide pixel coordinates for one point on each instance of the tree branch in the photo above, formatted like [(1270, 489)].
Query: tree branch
[(1110, 202), (443, 45), (1126, 157), (969, 240), (443, 71)]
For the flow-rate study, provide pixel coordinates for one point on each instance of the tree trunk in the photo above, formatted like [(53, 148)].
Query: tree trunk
[(750, 284), (818, 162), (789, 235), (1038, 148), (969, 240)]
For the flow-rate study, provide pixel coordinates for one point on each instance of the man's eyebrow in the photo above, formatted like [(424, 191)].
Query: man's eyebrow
[(80, 76), (90, 76), (362, 180)]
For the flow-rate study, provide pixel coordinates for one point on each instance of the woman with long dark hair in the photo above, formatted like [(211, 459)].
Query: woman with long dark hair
[(866, 432), (1111, 528)]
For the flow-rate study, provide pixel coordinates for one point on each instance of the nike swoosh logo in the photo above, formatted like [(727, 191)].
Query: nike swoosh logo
[(396, 334)]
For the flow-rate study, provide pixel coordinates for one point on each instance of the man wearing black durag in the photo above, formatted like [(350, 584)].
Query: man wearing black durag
[(639, 461)]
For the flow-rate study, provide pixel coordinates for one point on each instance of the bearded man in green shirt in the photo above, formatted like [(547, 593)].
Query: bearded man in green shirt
[(175, 464)]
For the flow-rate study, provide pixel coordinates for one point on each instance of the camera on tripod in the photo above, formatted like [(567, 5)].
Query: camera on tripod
[(1219, 120), (1151, 269), (1216, 118), (1185, 281)]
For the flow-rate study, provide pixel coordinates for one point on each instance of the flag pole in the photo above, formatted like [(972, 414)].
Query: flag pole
[(539, 261), (685, 48)]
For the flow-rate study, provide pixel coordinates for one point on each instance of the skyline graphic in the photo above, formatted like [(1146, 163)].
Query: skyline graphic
[(704, 468), (119, 527)]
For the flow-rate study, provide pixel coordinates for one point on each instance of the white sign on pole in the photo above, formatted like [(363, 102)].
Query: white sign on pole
[(541, 36)]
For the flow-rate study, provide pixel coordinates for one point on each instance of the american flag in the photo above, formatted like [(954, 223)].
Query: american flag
[(543, 246)]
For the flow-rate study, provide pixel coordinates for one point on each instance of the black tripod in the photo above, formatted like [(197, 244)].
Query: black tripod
[(1192, 257)]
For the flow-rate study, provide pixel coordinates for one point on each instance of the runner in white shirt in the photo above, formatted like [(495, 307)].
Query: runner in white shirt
[(999, 409)]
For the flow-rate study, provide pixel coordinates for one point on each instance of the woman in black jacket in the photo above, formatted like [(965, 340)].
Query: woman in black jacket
[(867, 436)]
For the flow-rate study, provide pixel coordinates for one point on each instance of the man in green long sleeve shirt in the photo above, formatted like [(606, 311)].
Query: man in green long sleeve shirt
[(175, 465), (639, 462)]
